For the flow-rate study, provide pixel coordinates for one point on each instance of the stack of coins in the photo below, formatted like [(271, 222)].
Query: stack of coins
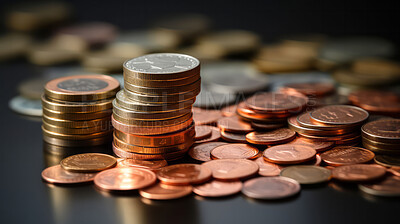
[(371, 101), (336, 123), (77, 109), (382, 136), (152, 116)]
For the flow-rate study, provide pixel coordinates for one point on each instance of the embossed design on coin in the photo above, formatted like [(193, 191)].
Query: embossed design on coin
[(82, 84), (217, 188), (339, 114), (57, 175), (347, 155), (383, 130), (289, 154), (201, 152), (161, 191), (232, 169), (88, 162), (270, 188), (184, 174), (305, 174), (277, 136), (358, 172), (234, 151)]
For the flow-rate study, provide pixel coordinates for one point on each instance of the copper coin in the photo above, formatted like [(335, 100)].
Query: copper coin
[(205, 117), (306, 174), (387, 131), (229, 110), (270, 188), (339, 115), (277, 102), (233, 137), (395, 170), (294, 125), (124, 179), (88, 162), (201, 152), (289, 154), (147, 156), (347, 155), (384, 107), (304, 120), (387, 160), (358, 172), (145, 164), (202, 132), (232, 169), (319, 146), (267, 169), (184, 174), (361, 96), (161, 191), (234, 124), (274, 137), (309, 89), (390, 187), (333, 138), (234, 151), (215, 135), (244, 111), (57, 175), (217, 188)]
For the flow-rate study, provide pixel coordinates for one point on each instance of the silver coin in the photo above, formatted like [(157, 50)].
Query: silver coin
[(233, 77), (26, 106), (210, 99), (163, 63)]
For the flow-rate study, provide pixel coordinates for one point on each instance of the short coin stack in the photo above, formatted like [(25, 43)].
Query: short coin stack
[(152, 116), (336, 123), (77, 109), (382, 136)]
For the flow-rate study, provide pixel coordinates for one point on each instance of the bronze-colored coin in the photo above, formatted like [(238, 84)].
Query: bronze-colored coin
[(305, 174), (88, 162), (30, 88), (201, 152), (77, 131), (205, 117), (268, 169), (269, 117), (289, 154), (234, 151), (229, 110), (386, 131), (335, 138), (202, 132), (184, 174), (131, 155), (278, 136), (155, 123), (80, 107), (76, 137), (102, 122), (14, 45), (395, 170), (304, 120), (333, 99), (175, 138), (314, 89), (152, 165), (319, 146), (381, 145), (82, 88), (124, 179), (172, 98), (270, 188), (382, 107), (295, 126), (160, 91), (347, 155), (217, 188), (232, 169), (233, 137), (387, 161), (57, 175), (161, 191), (76, 116), (161, 83), (358, 172), (339, 115), (264, 126), (356, 97), (215, 136), (234, 124), (274, 102), (388, 187)]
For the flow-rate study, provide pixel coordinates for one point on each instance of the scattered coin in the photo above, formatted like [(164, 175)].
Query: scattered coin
[(313, 89), (57, 175), (88, 162), (347, 155), (388, 187), (234, 124), (161, 191), (184, 174), (26, 106), (202, 132), (270, 188), (307, 174), (319, 146), (215, 136), (201, 152), (267, 169), (358, 172), (205, 117), (278, 136), (234, 151), (289, 154), (233, 137), (217, 188), (153, 165), (232, 169), (339, 115)]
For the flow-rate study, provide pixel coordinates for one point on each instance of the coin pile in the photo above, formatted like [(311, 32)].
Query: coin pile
[(152, 115), (371, 101), (77, 109), (337, 123), (382, 136)]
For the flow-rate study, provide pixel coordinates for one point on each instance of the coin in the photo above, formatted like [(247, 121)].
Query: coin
[(386, 131), (233, 137), (264, 127), (202, 132), (232, 169), (289, 154), (201, 152), (234, 151), (307, 174), (234, 124), (32, 88), (76, 107), (172, 98), (270, 188), (339, 114), (305, 120), (274, 102), (93, 33), (14, 45), (205, 117), (26, 106), (395, 170), (358, 172), (387, 161), (88, 162), (74, 136), (211, 99), (57, 175), (155, 123), (217, 188), (102, 122), (170, 90), (152, 165), (314, 89), (169, 156), (267, 169), (388, 187), (184, 174), (215, 135), (274, 137), (319, 146), (82, 88), (347, 155), (161, 191)]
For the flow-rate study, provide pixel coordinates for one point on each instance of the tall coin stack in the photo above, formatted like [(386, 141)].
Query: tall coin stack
[(152, 116), (77, 110)]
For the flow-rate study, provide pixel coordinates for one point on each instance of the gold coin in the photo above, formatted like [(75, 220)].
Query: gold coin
[(80, 107), (76, 137), (76, 116), (88, 162), (305, 174), (103, 122), (102, 140), (77, 131)]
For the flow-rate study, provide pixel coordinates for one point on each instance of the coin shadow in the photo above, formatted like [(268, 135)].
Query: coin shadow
[(273, 201)]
